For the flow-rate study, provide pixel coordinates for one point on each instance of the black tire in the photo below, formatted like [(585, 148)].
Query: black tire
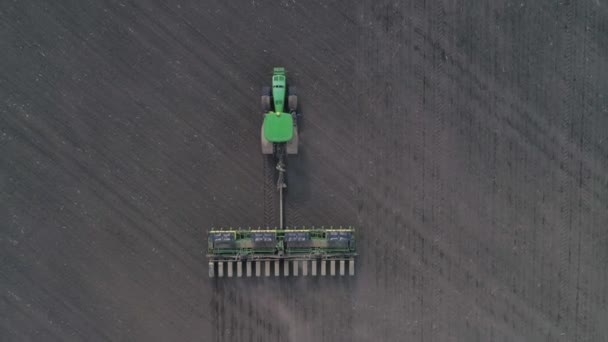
[(266, 99), (292, 103), (265, 104)]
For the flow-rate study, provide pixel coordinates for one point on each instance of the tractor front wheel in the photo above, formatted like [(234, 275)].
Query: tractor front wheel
[(265, 104), (292, 99), (266, 99), (292, 103)]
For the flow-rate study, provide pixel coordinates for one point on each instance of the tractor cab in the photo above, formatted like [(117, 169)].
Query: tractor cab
[(279, 84)]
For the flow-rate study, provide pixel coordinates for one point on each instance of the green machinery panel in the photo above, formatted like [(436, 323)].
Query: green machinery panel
[(245, 243), (278, 127)]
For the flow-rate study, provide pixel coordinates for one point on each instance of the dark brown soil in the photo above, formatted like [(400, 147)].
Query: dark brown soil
[(468, 143)]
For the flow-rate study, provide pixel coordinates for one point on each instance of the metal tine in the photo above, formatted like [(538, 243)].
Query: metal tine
[(267, 273), (258, 268), (323, 268), (304, 268), (248, 266), (220, 269), (277, 268), (286, 268), (211, 269), (332, 267), (239, 269), (313, 268), (342, 262), (295, 268), (230, 268), (351, 267)]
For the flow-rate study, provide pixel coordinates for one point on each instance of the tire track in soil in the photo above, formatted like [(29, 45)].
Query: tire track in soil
[(397, 143), (581, 319), (437, 152), (595, 309), (370, 264), (521, 239), (565, 228), (386, 100), (418, 42), (364, 140), (270, 192), (292, 211), (361, 140), (216, 302), (394, 107), (429, 153)]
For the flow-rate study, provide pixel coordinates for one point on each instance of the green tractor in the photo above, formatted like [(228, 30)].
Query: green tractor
[(280, 128), (279, 134), (314, 250)]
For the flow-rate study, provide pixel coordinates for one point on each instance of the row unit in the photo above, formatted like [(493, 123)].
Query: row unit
[(295, 267)]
